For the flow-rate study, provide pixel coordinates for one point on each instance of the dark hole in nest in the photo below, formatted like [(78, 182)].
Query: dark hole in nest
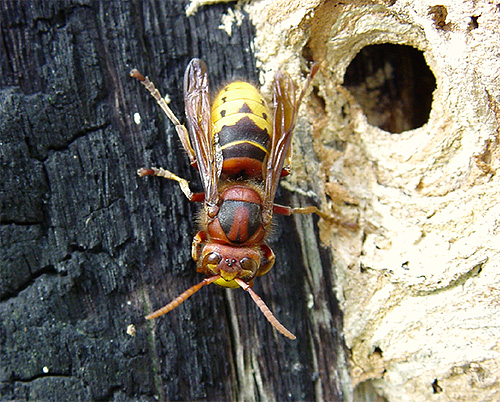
[(393, 85)]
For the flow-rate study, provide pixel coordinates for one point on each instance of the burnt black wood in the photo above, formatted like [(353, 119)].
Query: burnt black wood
[(88, 247)]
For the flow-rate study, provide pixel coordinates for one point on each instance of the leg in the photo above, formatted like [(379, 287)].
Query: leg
[(282, 210), (287, 211), (183, 183), (181, 129)]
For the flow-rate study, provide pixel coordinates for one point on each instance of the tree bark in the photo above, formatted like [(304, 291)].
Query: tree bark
[(88, 248)]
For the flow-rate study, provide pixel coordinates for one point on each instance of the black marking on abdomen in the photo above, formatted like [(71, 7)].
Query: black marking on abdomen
[(244, 129), (242, 150)]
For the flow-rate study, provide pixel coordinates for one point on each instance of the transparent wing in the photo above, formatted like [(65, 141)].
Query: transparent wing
[(197, 103), (286, 106), (285, 116)]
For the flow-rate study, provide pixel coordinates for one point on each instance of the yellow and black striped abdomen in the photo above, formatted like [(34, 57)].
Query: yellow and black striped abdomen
[(242, 120)]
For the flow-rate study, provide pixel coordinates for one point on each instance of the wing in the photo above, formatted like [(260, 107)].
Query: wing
[(285, 116), (286, 105), (198, 114)]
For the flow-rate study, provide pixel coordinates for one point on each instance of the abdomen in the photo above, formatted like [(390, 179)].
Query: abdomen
[(241, 119)]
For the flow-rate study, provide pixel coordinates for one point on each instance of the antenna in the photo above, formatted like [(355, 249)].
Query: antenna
[(265, 310), (183, 296)]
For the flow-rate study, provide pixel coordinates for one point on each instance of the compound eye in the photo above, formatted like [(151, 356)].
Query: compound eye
[(249, 266), (211, 261)]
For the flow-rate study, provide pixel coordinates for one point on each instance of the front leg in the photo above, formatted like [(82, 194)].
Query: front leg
[(167, 174)]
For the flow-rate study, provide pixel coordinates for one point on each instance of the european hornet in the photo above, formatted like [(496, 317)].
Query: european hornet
[(240, 154)]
